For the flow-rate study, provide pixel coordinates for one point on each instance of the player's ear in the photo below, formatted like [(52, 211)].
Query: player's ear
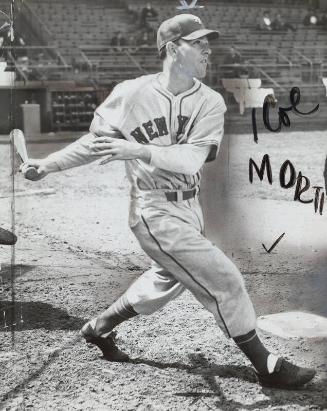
[(171, 49)]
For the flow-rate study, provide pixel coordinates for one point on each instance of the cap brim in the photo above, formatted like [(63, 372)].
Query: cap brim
[(211, 34)]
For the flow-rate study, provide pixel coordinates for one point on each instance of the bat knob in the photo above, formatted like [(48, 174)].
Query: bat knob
[(31, 174)]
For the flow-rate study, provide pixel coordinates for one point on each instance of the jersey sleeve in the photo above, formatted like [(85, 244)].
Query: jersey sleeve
[(79, 152), (107, 117), (114, 108), (75, 154), (100, 127), (179, 158), (208, 128)]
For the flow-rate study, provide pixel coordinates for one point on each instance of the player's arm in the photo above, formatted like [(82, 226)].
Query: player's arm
[(201, 145), (79, 153), (183, 158), (75, 154)]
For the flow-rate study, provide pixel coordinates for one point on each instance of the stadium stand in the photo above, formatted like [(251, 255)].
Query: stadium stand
[(282, 56), (71, 41)]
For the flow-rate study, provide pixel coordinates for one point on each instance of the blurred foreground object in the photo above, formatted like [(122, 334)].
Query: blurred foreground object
[(7, 237)]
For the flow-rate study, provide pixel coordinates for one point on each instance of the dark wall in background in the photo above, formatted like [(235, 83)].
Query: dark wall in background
[(11, 111)]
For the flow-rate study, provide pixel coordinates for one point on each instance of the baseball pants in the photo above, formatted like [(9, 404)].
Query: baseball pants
[(171, 234)]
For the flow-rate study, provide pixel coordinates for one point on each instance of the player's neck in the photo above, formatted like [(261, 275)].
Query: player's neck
[(175, 81)]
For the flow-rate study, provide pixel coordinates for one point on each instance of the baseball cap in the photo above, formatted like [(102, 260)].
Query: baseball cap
[(183, 26)]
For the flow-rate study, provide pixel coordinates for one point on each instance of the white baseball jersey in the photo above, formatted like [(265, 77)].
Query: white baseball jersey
[(145, 112)]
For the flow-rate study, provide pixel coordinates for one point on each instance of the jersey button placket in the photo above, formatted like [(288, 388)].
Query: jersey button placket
[(174, 120)]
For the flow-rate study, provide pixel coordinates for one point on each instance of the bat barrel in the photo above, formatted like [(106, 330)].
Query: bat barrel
[(18, 139)]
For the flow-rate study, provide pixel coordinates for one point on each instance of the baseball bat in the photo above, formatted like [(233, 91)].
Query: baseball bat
[(18, 139)]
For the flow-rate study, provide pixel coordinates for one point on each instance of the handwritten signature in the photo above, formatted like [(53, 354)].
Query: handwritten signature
[(288, 177), (283, 118)]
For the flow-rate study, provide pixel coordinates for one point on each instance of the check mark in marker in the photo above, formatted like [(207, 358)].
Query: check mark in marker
[(274, 245)]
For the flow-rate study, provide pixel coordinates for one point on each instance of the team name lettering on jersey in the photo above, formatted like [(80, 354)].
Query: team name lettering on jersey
[(182, 120), (156, 128), (153, 129)]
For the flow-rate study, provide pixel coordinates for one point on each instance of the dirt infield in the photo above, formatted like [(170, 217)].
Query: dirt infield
[(75, 255)]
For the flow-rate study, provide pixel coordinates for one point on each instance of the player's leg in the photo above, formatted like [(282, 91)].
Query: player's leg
[(178, 245), (150, 292), (147, 294), (153, 290), (202, 268)]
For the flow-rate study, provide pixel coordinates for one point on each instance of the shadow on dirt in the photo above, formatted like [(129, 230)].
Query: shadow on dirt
[(224, 371), (312, 395), (276, 397), (36, 314), (36, 374)]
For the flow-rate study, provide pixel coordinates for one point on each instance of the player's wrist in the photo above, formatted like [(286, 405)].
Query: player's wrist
[(143, 153), (50, 166)]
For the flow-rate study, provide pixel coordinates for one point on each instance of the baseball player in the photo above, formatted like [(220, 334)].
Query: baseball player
[(165, 127)]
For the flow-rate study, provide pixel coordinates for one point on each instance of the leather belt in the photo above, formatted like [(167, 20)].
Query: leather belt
[(181, 195)]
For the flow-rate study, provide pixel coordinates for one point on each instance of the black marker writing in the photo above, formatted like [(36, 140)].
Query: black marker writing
[(265, 165), (300, 189), (288, 179), (283, 118), (282, 174), (274, 244), (325, 174)]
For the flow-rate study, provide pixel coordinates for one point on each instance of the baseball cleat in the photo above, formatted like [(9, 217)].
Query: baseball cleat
[(286, 376), (107, 345)]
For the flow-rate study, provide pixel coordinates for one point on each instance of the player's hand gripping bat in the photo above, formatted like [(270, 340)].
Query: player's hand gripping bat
[(18, 139)]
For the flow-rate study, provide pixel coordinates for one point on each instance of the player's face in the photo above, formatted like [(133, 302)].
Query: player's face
[(193, 56)]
